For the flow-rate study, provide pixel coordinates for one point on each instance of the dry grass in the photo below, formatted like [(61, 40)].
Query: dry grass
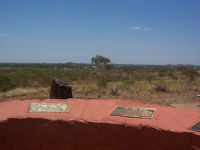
[(24, 93), (152, 87), (177, 92), (141, 91)]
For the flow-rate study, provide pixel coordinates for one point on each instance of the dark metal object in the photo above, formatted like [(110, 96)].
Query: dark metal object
[(196, 127), (60, 90), (137, 112)]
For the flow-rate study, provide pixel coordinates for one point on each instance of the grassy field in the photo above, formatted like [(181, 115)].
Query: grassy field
[(161, 85)]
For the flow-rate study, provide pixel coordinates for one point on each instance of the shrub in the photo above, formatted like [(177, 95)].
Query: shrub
[(127, 83), (188, 72), (138, 76), (28, 77), (150, 77), (178, 85), (173, 76), (101, 83), (142, 87), (160, 86), (162, 72), (109, 67), (5, 83)]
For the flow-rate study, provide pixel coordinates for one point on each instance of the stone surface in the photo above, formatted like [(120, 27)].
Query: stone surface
[(89, 126), (166, 118), (48, 107), (60, 90), (138, 112)]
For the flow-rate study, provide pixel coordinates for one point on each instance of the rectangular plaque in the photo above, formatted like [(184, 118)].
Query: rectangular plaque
[(48, 107), (196, 127), (137, 112)]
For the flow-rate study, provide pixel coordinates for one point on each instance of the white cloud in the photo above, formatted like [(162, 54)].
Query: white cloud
[(3, 35), (139, 28), (136, 28)]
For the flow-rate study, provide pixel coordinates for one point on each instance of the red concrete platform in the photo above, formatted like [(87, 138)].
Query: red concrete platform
[(88, 125)]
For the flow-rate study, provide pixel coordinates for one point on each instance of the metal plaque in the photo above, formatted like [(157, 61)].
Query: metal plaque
[(196, 127), (137, 112), (48, 107)]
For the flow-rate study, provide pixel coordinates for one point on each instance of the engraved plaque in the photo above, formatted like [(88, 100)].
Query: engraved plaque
[(196, 127), (137, 112), (48, 107)]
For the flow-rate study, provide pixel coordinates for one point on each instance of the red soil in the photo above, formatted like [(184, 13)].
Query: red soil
[(89, 126)]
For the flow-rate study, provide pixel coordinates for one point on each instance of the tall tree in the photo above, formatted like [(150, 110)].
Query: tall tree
[(100, 60)]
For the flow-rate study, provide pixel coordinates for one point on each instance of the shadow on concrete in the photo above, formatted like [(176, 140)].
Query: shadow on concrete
[(43, 134)]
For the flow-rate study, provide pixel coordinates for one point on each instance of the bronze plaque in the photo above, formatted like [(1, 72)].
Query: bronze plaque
[(138, 112), (196, 127), (48, 107)]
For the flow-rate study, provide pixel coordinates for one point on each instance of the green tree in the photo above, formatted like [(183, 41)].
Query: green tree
[(100, 60)]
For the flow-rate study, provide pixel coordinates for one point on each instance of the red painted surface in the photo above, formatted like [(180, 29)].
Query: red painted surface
[(89, 126)]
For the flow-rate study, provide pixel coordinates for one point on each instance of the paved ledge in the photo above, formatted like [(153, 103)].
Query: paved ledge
[(88, 126), (165, 118)]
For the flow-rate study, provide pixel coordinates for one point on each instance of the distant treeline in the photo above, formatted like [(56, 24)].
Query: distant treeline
[(44, 65), (88, 65)]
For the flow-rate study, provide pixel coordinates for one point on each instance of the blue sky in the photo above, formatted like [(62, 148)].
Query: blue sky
[(126, 31)]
